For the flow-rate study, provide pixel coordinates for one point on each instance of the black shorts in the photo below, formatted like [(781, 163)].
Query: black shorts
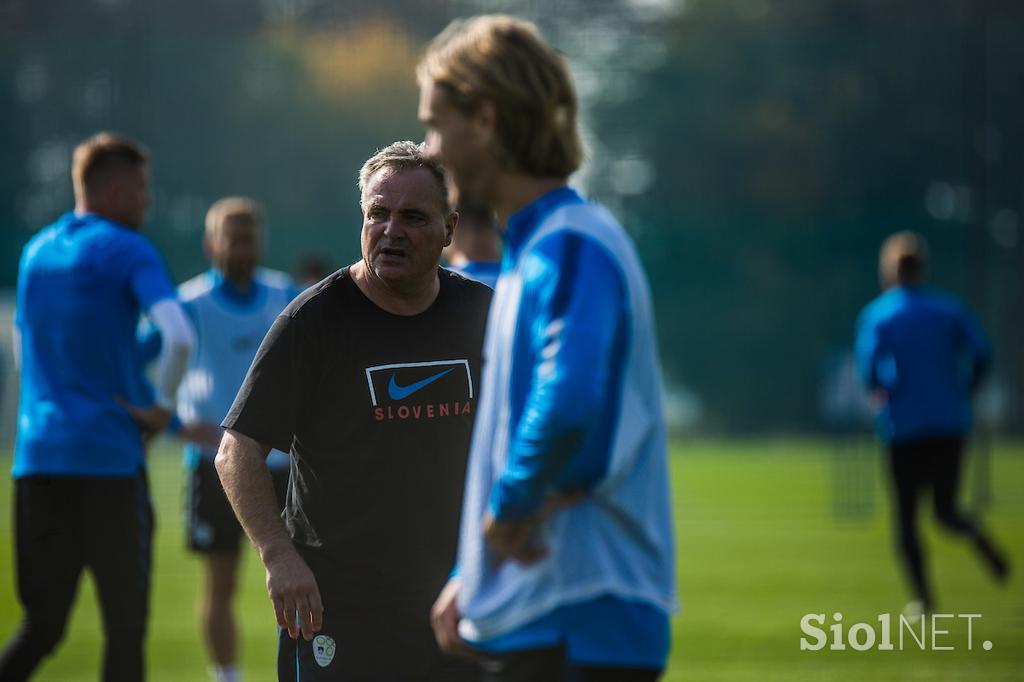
[(64, 525), (210, 521), (369, 645)]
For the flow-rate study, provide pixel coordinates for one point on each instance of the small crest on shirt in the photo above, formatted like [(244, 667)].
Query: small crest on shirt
[(323, 650)]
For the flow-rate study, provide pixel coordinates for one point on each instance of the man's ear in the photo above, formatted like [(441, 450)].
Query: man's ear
[(450, 223)]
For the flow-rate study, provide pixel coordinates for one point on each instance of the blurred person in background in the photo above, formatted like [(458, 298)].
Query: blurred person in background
[(475, 251), (311, 269), (370, 378), (566, 565), (923, 355), (86, 412), (231, 306)]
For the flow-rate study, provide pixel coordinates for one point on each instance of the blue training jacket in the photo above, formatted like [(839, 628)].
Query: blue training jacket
[(82, 283), (571, 399), (927, 353)]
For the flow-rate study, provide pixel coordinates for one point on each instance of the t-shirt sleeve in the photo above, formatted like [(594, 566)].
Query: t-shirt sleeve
[(147, 277), (279, 382)]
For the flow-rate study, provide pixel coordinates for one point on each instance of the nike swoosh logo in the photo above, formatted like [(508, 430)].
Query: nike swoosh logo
[(399, 392)]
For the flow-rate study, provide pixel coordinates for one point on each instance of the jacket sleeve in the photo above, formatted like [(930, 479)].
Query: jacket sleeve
[(573, 305), (867, 349), (978, 347)]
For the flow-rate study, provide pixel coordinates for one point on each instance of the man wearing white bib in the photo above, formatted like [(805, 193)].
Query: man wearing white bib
[(566, 560)]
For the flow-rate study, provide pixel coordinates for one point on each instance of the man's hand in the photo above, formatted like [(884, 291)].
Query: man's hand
[(294, 593), (517, 540), (204, 434), (152, 419), (242, 466), (444, 619), (514, 539)]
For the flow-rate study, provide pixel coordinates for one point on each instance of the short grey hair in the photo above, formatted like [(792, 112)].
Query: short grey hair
[(404, 155)]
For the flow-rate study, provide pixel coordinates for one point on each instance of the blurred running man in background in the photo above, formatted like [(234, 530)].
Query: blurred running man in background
[(86, 414), (232, 306), (923, 354), (566, 558), (475, 251), (310, 269)]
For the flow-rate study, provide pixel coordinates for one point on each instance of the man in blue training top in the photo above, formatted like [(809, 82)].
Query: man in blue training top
[(923, 355), (475, 251), (566, 558), (85, 413), (232, 306)]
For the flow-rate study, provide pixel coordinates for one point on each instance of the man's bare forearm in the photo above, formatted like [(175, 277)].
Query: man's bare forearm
[(291, 586), (241, 464)]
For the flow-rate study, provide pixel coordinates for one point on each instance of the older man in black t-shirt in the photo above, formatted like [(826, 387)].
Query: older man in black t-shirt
[(369, 379)]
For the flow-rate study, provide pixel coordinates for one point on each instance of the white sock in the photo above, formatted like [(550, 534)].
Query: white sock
[(226, 674)]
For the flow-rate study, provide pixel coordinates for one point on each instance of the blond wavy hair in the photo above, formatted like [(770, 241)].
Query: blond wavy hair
[(505, 60)]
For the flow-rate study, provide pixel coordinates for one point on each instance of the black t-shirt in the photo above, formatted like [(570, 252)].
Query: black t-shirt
[(377, 411)]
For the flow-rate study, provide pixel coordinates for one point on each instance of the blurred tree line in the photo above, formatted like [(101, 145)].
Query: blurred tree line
[(759, 151), (789, 139)]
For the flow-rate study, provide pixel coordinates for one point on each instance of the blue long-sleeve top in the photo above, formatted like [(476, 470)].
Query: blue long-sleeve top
[(82, 284), (926, 353), (571, 401), (569, 357)]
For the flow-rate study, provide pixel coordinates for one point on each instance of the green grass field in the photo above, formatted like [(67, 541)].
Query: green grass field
[(759, 546)]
